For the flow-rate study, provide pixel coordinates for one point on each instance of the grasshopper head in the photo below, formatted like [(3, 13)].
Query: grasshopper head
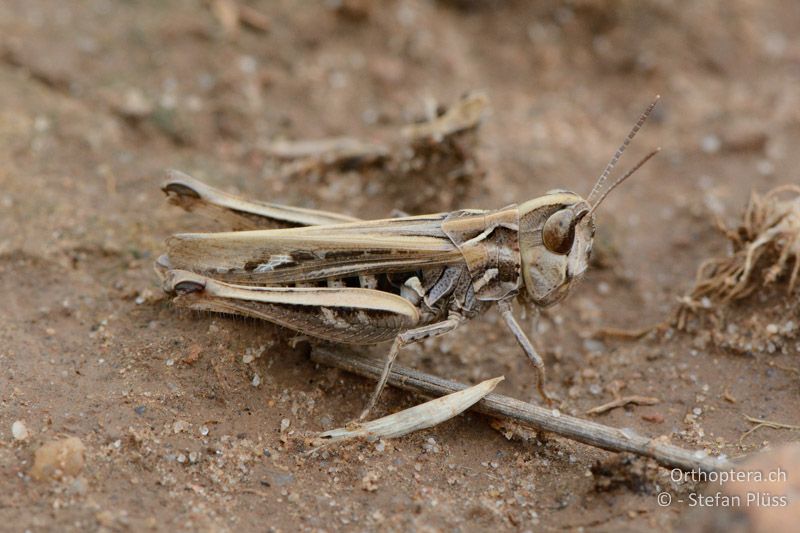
[(556, 233)]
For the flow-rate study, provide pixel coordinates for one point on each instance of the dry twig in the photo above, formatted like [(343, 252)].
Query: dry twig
[(622, 402), (533, 416)]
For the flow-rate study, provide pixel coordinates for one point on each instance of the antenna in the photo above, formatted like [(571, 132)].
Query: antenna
[(604, 176), (627, 175)]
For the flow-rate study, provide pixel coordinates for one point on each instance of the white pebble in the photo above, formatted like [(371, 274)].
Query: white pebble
[(248, 64), (765, 167), (710, 144), (19, 430), (256, 380)]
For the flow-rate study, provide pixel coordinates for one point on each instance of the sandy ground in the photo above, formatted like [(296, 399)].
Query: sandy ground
[(99, 97)]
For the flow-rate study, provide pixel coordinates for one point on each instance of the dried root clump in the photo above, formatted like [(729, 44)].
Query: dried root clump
[(766, 250)]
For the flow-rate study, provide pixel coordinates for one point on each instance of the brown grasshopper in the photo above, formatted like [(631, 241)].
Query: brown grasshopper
[(364, 282)]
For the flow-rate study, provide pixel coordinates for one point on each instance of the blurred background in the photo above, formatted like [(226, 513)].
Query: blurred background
[(99, 97)]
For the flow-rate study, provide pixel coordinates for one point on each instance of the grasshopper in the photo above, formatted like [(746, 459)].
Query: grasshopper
[(401, 279)]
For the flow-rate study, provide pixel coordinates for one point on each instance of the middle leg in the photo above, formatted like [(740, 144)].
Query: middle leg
[(527, 347)]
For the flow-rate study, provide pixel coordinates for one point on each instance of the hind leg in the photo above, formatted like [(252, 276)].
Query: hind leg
[(403, 339)]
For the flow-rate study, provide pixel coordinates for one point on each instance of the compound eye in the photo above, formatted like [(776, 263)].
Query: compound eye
[(558, 232)]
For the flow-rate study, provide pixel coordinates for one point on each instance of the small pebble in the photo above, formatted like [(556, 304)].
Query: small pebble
[(19, 430), (170, 362), (592, 345), (105, 519), (285, 424), (431, 446), (655, 418), (248, 64), (256, 380), (204, 430), (139, 409), (765, 167), (772, 329), (79, 486), (710, 144)]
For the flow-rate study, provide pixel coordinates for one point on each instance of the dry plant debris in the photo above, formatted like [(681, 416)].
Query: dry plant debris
[(231, 15), (761, 423), (430, 164), (766, 249), (622, 402)]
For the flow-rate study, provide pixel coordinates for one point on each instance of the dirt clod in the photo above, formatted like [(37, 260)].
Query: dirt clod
[(59, 458)]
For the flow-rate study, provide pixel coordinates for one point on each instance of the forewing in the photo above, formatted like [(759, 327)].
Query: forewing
[(314, 253), (349, 315), (238, 213)]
